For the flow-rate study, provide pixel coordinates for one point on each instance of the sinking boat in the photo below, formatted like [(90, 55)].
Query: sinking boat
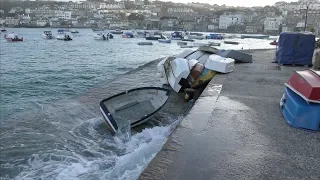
[(306, 84), (174, 70), (220, 64), (133, 107)]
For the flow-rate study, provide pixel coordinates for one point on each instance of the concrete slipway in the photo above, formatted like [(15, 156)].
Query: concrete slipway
[(236, 131)]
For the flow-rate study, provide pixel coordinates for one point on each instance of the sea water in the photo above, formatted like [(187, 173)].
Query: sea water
[(51, 127)]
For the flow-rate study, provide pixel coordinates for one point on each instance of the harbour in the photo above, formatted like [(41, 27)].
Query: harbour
[(55, 130)]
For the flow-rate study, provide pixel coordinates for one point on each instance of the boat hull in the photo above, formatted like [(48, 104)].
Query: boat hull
[(133, 107), (307, 84), (299, 113), (164, 40)]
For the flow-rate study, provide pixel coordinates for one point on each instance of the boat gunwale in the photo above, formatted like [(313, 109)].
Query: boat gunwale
[(113, 121)]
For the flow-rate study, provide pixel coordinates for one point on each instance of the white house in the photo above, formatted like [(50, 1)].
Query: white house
[(227, 20), (66, 15), (272, 24)]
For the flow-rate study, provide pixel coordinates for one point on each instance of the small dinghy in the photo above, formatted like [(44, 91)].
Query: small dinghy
[(133, 107)]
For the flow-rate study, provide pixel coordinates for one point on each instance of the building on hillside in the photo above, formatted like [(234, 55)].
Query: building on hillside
[(227, 20), (180, 12), (254, 28), (272, 25)]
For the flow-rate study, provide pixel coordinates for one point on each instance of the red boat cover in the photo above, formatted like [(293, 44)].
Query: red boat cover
[(307, 83)]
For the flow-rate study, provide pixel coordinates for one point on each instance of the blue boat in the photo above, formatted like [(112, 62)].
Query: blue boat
[(176, 35), (299, 113), (215, 36)]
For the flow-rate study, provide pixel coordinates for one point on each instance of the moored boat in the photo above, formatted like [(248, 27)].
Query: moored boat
[(3, 29), (117, 31), (133, 107), (64, 38), (74, 31), (48, 35), (255, 36), (164, 40), (13, 37), (231, 42), (127, 35), (145, 43), (215, 36), (103, 36)]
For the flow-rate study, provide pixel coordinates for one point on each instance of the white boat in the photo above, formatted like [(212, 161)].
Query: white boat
[(74, 31), (102, 36), (191, 35), (48, 35), (133, 107), (219, 64), (174, 69), (164, 40)]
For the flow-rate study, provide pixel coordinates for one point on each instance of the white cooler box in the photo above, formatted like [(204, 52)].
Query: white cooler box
[(219, 64)]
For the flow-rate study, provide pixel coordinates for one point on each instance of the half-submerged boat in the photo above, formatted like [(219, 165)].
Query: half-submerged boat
[(133, 107)]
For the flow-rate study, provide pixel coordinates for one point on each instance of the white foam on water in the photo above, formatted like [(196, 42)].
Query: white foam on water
[(120, 157)]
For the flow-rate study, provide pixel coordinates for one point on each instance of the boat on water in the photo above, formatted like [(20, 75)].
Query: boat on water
[(255, 36), (164, 40), (231, 42), (176, 35), (13, 37), (145, 43), (275, 43), (190, 40), (127, 35), (64, 38), (74, 31), (191, 35), (3, 29), (103, 36), (62, 31), (97, 29), (133, 107), (48, 35), (154, 38), (117, 31), (215, 36)]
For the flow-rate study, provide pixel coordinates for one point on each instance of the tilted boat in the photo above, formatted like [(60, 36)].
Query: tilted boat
[(133, 107)]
